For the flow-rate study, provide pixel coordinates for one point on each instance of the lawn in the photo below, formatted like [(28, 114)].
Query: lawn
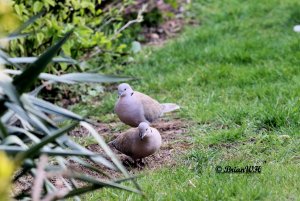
[(237, 78)]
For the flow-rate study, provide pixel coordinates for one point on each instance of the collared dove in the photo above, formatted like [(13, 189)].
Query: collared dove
[(134, 107), (138, 142)]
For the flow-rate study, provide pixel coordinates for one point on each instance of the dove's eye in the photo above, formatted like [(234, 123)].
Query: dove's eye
[(146, 129), (125, 89)]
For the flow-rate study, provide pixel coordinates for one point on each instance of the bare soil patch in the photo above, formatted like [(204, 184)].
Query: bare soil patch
[(174, 136), (176, 142)]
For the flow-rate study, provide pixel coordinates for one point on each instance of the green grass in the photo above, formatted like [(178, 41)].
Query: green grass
[(237, 78)]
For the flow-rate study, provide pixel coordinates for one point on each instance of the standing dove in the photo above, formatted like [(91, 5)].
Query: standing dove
[(134, 107), (138, 142)]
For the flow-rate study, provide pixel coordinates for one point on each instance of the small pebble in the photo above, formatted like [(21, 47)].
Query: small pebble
[(297, 28)]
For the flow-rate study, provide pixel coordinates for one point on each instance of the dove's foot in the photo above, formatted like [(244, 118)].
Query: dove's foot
[(128, 162), (140, 163)]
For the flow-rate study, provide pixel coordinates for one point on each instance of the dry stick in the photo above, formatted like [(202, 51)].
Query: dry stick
[(97, 50), (39, 179), (137, 20)]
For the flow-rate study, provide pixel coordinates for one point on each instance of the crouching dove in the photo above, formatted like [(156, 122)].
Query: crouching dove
[(134, 107), (138, 142)]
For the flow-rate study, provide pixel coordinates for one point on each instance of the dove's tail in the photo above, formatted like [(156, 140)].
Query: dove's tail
[(169, 107)]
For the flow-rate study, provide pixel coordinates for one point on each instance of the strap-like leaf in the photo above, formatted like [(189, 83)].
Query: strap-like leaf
[(94, 77), (108, 151), (8, 38), (35, 111), (44, 76), (10, 91), (13, 150), (31, 136), (89, 166), (97, 184), (27, 116), (53, 109), (5, 57), (35, 148), (23, 81), (66, 141), (26, 24), (24, 60), (3, 131), (12, 139)]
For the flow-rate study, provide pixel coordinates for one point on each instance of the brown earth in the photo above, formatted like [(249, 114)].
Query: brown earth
[(176, 141), (174, 136)]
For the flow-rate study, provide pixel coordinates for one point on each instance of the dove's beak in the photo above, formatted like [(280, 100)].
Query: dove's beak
[(120, 93), (141, 135)]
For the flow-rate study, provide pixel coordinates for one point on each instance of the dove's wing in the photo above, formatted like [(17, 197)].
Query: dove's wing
[(152, 108), (124, 141)]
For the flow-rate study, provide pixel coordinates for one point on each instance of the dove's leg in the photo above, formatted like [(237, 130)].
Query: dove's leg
[(140, 164), (142, 161), (129, 162)]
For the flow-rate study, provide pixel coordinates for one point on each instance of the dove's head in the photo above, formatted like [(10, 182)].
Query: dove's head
[(124, 89), (143, 129)]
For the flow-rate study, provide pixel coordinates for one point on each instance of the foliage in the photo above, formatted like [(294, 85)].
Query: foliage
[(96, 26), (30, 130)]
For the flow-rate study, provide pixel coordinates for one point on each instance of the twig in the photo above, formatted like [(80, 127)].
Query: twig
[(137, 20), (97, 50)]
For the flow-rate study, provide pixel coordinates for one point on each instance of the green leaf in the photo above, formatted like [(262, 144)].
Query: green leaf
[(37, 6), (67, 48), (27, 116), (12, 139), (40, 37), (9, 38), (89, 166), (3, 131), (5, 58), (64, 140), (94, 77), (51, 2), (13, 129), (53, 109), (53, 136), (27, 23), (108, 151), (44, 76), (33, 59), (97, 184), (13, 150), (18, 9), (35, 111), (27, 78), (10, 91)]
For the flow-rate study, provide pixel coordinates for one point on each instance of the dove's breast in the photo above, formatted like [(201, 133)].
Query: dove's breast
[(146, 147), (130, 111)]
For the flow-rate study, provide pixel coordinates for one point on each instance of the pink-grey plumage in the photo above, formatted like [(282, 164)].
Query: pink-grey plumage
[(138, 142), (134, 107)]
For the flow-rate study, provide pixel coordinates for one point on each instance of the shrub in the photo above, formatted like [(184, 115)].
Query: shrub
[(96, 24), (28, 135)]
